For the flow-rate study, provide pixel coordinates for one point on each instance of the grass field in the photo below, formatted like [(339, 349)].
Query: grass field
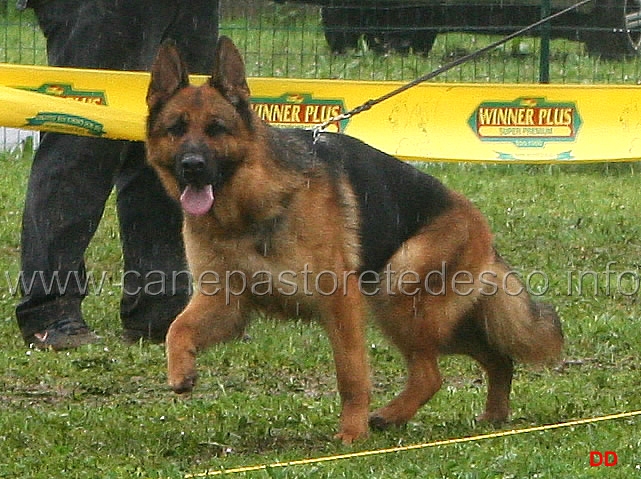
[(574, 231), (104, 411)]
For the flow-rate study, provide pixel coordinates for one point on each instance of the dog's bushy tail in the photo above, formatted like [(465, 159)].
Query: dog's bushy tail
[(518, 327)]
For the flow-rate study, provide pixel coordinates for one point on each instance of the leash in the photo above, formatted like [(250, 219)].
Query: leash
[(370, 103)]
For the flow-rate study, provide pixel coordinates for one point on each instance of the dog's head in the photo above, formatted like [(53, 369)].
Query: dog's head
[(195, 134)]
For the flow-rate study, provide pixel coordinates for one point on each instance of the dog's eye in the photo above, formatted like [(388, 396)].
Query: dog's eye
[(215, 128), (179, 128)]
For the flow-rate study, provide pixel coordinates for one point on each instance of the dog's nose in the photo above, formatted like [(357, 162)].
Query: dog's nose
[(192, 163), (192, 166)]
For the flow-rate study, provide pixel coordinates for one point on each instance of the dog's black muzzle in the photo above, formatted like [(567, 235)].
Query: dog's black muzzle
[(193, 168)]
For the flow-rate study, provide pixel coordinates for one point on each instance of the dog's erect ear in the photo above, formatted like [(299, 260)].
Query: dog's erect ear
[(229, 73), (168, 74)]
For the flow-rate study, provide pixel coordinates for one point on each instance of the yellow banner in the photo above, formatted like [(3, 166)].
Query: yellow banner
[(434, 121)]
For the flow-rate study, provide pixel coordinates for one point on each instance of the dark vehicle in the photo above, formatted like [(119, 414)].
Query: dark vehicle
[(609, 28)]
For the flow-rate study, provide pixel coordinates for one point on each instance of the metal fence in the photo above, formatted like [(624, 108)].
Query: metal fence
[(394, 40), (401, 40)]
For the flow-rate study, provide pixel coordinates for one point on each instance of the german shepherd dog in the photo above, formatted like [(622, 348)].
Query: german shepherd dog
[(323, 226)]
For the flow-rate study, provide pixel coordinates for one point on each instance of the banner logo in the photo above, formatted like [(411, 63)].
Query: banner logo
[(66, 90), (526, 122), (65, 123), (296, 110)]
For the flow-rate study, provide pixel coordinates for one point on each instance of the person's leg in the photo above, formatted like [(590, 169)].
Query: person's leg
[(195, 31), (72, 177), (70, 181), (104, 34), (156, 280)]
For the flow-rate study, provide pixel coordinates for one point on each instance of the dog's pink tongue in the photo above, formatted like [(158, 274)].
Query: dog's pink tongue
[(197, 201)]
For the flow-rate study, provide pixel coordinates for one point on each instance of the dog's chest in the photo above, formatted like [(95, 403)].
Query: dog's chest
[(277, 266), (273, 246)]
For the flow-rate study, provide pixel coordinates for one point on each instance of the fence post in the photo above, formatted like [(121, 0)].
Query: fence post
[(544, 59)]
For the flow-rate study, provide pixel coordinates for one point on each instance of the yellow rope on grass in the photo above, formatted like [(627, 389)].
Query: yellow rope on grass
[(444, 442)]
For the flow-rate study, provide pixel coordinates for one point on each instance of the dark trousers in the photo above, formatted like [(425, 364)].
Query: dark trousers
[(72, 177)]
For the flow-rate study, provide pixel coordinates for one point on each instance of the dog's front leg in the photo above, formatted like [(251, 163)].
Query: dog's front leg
[(206, 320), (346, 331)]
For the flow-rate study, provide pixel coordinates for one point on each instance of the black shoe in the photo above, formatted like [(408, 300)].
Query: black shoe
[(68, 333)]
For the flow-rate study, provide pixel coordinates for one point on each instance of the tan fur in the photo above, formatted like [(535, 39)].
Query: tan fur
[(270, 217)]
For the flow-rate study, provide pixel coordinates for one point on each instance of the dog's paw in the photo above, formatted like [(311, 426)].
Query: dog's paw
[(378, 422), (183, 385), (348, 437), (495, 418)]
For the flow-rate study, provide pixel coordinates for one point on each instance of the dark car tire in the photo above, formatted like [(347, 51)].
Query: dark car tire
[(615, 29), (339, 27), (384, 30)]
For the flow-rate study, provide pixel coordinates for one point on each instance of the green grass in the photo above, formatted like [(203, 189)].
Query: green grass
[(104, 411)]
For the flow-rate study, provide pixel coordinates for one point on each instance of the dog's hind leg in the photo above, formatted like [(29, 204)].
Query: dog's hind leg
[(499, 369), (432, 284), (471, 340), (413, 324), (206, 320), (424, 380)]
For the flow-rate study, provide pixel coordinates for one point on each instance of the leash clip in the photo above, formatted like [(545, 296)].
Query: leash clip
[(321, 127)]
